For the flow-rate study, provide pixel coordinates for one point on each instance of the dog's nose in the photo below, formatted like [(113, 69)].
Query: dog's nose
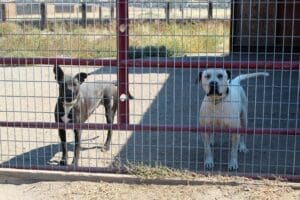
[(69, 99), (213, 84), (213, 87)]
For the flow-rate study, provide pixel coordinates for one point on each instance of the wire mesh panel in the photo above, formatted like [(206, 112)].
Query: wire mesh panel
[(31, 91), (156, 51)]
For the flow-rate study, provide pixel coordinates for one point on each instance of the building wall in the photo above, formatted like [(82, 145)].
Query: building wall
[(265, 25), (288, 24)]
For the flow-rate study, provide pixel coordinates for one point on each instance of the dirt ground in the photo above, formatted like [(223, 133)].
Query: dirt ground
[(15, 189)]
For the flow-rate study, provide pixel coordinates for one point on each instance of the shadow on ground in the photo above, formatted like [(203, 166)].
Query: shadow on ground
[(42, 156)]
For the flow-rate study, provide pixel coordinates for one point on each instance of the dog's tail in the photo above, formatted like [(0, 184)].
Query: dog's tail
[(128, 93), (95, 72), (130, 96), (242, 77)]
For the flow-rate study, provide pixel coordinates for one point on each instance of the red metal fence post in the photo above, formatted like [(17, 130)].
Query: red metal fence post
[(122, 47)]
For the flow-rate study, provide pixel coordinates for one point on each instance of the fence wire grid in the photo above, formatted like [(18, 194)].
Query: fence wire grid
[(155, 51)]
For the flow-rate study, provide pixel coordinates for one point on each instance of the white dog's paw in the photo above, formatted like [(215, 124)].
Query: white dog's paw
[(209, 162), (243, 148), (233, 164)]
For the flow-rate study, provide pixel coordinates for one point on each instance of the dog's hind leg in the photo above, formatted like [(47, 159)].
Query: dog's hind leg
[(110, 110), (109, 131), (77, 147), (242, 144), (62, 135)]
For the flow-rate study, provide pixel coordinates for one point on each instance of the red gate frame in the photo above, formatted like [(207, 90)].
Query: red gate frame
[(123, 63)]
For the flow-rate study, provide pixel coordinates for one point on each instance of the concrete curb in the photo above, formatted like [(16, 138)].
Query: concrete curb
[(43, 175)]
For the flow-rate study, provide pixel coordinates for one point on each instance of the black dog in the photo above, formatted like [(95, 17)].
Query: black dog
[(77, 100)]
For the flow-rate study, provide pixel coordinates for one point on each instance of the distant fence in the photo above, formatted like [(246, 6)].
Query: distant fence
[(102, 12)]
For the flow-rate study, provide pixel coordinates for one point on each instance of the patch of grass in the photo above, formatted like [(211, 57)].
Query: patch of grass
[(8, 28), (60, 40), (180, 39), (149, 51), (146, 40), (157, 172)]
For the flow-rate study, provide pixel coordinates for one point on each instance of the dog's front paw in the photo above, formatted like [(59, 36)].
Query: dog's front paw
[(209, 162), (233, 164), (105, 148), (63, 162)]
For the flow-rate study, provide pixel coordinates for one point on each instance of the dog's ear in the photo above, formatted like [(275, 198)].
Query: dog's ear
[(58, 72), (228, 74), (198, 79), (81, 77)]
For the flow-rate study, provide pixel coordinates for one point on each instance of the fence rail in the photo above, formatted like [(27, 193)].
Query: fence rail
[(148, 63), (147, 128)]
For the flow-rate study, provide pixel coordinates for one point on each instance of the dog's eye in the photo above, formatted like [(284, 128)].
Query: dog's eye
[(207, 76), (220, 76)]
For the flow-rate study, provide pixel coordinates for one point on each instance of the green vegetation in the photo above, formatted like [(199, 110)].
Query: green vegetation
[(180, 39), (146, 40), (149, 51)]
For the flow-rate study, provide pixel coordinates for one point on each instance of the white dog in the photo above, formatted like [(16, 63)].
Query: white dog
[(224, 106)]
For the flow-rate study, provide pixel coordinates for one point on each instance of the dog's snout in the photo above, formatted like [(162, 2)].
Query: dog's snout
[(68, 96), (69, 99), (213, 88), (213, 84)]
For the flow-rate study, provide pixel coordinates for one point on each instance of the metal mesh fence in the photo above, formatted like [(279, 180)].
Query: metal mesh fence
[(155, 51)]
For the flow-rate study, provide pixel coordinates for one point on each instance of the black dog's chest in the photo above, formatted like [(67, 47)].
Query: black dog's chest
[(64, 114), (67, 115)]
